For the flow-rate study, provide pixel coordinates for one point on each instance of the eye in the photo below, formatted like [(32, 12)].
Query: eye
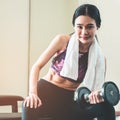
[(89, 26), (79, 26)]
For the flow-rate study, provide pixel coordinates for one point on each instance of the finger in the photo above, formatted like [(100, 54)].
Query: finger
[(27, 102), (35, 102), (92, 98), (97, 98), (31, 102), (39, 102)]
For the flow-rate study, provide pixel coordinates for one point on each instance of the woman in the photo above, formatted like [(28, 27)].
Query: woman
[(78, 61)]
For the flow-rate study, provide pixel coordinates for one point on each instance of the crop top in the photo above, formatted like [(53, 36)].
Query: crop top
[(58, 62)]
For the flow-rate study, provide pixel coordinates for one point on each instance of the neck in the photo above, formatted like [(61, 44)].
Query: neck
[(84, 48)]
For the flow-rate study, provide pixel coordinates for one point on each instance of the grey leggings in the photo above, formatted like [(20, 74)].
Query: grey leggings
[(58, 104)]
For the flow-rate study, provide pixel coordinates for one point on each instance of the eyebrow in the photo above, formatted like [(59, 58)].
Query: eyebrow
[(87, 24)]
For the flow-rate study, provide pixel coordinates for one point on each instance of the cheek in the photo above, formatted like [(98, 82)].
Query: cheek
[(92, 32), (77, 31)]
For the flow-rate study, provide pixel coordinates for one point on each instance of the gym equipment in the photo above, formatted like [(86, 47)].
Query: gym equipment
[(109, 93), (12, 101)]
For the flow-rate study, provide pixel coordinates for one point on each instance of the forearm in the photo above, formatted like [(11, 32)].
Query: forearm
[(32, 100), (34, 75)]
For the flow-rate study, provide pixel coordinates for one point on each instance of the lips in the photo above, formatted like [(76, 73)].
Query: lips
[(85, 37)]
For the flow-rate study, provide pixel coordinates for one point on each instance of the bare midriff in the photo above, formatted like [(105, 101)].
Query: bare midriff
[(59, 81)]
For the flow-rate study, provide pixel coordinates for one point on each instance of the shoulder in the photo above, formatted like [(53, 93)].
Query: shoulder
[(61, 40), (62, 37), (58, 44)]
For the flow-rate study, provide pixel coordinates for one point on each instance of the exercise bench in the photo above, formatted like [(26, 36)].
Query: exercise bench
[(10, 100)]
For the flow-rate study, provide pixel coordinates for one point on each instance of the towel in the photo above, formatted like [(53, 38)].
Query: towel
[(70, 67), (95, 74)]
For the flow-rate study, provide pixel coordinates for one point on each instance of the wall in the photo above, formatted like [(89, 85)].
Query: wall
[(14, 35)]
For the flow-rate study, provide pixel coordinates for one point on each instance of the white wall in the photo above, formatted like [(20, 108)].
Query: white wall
[(14, 28)]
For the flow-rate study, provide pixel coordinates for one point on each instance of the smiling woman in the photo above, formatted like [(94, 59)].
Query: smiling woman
[(47, 20), (78, 60)]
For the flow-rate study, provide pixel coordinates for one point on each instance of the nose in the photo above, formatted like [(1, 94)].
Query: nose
[(84, 31)]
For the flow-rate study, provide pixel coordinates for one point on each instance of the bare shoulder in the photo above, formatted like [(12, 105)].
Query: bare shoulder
[(63, 36), (62, 39)]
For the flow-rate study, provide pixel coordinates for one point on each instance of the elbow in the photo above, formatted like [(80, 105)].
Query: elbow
[(36, 67)]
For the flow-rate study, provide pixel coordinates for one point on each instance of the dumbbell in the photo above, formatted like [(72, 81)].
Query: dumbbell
[(109, 93)]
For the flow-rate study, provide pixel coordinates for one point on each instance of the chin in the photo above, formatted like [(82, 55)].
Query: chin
[(85, 42)]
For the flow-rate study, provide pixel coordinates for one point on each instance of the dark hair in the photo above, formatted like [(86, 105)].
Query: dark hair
[(88, 10)]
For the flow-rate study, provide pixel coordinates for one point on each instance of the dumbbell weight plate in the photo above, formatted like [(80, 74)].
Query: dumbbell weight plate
[(111, 93), (80, 94)]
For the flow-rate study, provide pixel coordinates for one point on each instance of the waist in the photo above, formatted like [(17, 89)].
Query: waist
[(61, 82), (48, 84), (48, 91)]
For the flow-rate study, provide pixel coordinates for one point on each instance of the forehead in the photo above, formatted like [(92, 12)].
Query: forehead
[(84, 20)]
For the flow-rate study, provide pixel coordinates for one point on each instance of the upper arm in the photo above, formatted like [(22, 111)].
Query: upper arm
[(57, 44)]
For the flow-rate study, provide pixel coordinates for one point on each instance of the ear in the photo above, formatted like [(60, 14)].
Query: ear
[(97, 28)]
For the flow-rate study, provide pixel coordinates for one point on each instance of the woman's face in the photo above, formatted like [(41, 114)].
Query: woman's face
[(85, 29)]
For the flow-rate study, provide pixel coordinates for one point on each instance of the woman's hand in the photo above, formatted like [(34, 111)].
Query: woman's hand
[(32, 101), (95, 97)]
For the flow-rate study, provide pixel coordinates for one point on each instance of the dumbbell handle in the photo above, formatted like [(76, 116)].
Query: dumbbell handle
[(87, 99), (101, 95)]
